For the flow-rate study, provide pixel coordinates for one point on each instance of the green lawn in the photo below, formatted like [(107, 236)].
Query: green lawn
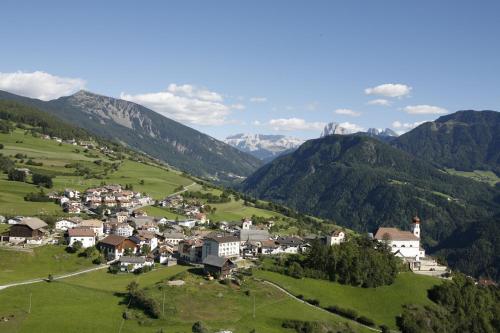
[(158, 181), (163, 212), (479, 175), (18, 266), (235, 210), (94, 302), (381, 304)]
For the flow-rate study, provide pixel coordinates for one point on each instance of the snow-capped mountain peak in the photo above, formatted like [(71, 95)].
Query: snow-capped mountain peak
[(263, 146), (335, 128)]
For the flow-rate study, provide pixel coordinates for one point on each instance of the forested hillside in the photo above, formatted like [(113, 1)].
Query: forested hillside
[(465, 141), (363, 183)]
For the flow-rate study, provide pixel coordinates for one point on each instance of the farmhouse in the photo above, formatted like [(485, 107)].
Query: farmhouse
[(290, 244), (221, 245), (219, 267), (335, 238), (173, 237), (84, 235), (191, 250), (131, 264), (29, 229), (404, 244), (65, 224), (95, 225), (114, 246)]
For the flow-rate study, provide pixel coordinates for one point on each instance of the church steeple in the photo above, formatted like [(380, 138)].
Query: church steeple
[(415, 226)]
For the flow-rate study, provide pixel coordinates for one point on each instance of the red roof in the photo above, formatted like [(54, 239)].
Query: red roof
[(81, 232)]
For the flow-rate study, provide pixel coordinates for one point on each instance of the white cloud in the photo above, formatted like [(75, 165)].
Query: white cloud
[(258, 99), (238, 106), (348, 112), (424, 109), (353, 128), (39, 84), (379, 101), (187, 104), (294, 124), (402, 127), (389, 90), (256, 123)]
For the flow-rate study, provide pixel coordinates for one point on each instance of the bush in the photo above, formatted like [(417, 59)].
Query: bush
[(199, 327), (365, 321), (42, 180), (17, 175), (348, 313), (313, 301), (385, 329)]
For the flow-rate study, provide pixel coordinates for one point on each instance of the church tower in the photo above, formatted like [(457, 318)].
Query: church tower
[(415, 227)]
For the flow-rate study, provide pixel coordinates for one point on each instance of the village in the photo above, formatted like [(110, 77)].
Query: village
[(131, 241)]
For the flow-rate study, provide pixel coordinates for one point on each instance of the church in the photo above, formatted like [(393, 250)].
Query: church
[(404, 244)]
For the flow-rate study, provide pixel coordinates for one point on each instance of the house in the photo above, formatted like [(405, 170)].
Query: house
[(253, 235), (122, 229), (28, 229), (132, 263), (335, 238), (96, 225), (114, 246), (147, 223), (84, 235), (404, 244), (15, 220), (201, 218), (173, 237), (122, 217), (65, 224), (187, 223), (246, 224), (191, 250), (72, 194), (220, 267), (147, 238), (269, 247), (289, 244), (221, 245)]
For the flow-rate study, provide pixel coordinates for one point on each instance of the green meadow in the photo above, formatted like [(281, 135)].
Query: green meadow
[(16, 266), (382, 304), (96, 302)]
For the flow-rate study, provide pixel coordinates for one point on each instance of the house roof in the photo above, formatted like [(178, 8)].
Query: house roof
[(132, 260), (91, 223), (146, 234), (113, 240), (336, 233), (81, 232), (33, 222), (394, 234), (173, 235), (254, 235), (269, 243), (216, 261), (222, 238), (291, 241)]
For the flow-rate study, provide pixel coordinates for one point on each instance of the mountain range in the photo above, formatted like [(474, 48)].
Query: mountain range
[(145, 130), (262, 146)]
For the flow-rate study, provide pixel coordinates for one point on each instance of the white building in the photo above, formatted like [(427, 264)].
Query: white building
[(131, 264), (404, 244), (95, 225), (84, 235), (221, 246), (65, 224), (335, 238), (173, 237), (123, 229), (187, 223)]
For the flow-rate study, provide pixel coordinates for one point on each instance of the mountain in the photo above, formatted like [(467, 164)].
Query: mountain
[(262, 146), (150, 132), (465, 141), (335, 128), (362, 183)]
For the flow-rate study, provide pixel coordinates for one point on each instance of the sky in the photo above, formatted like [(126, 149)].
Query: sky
[(280, 67)]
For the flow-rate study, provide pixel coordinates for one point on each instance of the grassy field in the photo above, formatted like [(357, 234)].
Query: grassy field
[(18, 266), (381, 304), (95, 302), (478, 175), (157, 181), (163, 212)]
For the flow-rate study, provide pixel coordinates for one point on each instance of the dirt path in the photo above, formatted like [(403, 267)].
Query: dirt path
[(316, 307), (67, 275)]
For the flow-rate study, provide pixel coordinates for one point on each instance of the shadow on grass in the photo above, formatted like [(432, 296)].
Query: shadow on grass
[(196, 271)]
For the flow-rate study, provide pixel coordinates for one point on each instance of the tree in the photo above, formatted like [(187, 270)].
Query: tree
[(91, 252), (199, 327), (132, 287), (42, 180), (50, 278), (145, 249), (295, 270), (141, 182), (128, 252), (17, 175), (77, 246)]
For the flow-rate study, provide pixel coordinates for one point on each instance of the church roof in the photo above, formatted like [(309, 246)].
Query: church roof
[(395, 234)]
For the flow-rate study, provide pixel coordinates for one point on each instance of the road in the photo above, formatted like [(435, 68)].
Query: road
[(5, 286), (317, 307)]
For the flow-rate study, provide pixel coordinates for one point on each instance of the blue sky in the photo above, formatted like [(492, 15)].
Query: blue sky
[(287, 67)]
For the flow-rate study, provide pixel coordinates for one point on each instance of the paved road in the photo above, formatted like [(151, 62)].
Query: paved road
[(317, 307), (55, 277)]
